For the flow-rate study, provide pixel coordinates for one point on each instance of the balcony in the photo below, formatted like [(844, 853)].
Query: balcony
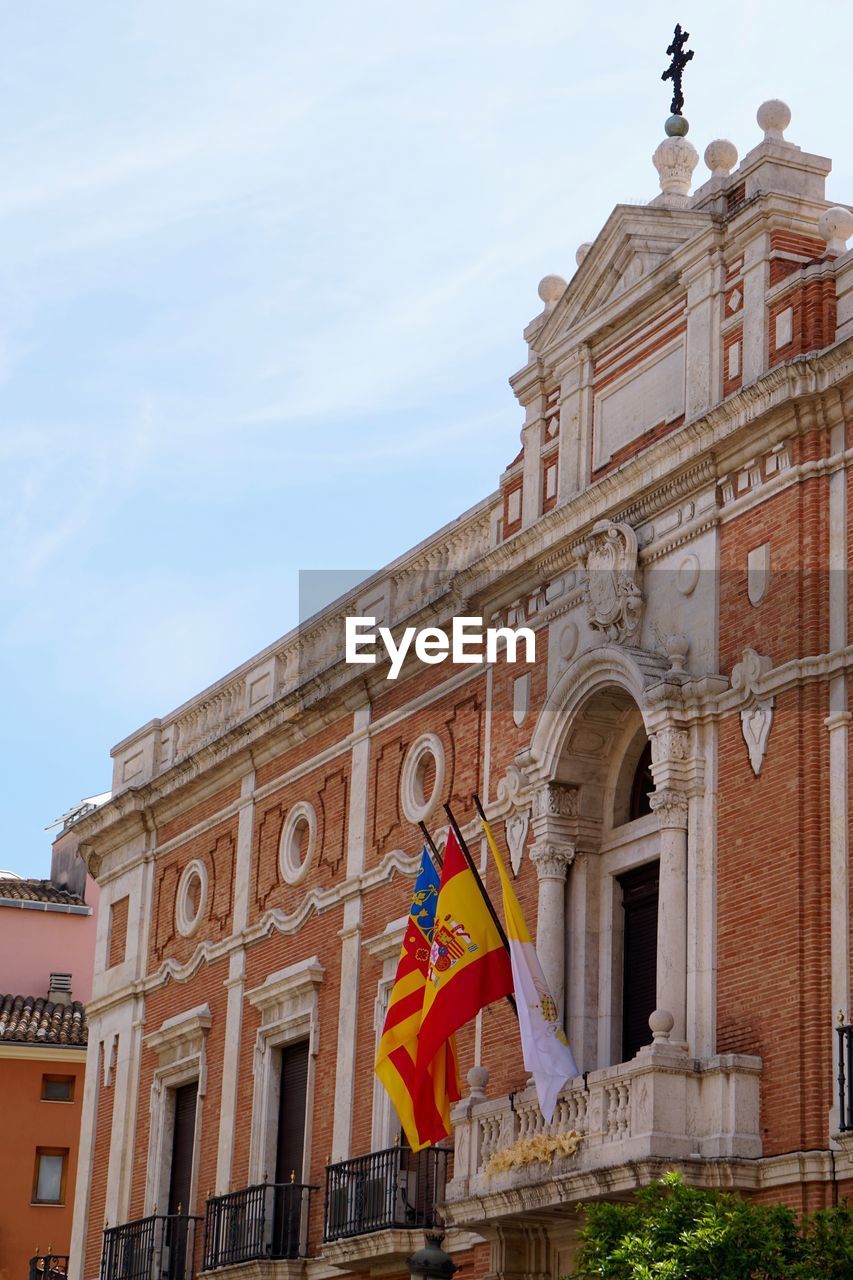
[(265, 1221), (377, 1205), (614, 1131), (160, 1247), (49, 1266)]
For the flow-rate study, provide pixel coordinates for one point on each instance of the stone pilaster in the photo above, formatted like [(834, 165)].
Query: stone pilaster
[(671, 809), (554, 818)]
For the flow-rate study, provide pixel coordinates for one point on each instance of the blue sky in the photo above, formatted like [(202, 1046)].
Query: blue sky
[(264, 268)]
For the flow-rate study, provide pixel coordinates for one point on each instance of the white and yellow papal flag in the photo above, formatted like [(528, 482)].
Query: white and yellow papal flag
[(547, 1055)]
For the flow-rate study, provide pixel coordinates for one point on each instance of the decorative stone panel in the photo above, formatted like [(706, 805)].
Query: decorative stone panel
[(614, 601)]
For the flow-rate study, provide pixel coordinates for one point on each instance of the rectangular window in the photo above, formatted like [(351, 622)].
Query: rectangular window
[(49, 1175), (183, 1147), (57, 1088), (290, 1147), (639, 962)]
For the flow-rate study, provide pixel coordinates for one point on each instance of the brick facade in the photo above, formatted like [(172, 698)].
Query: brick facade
[(681, 596)]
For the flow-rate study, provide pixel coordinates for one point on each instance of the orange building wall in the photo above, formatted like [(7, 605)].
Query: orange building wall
[(28, 1123)]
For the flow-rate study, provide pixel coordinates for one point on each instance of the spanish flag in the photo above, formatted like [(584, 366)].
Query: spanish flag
[(395, 1058), (469, 967)]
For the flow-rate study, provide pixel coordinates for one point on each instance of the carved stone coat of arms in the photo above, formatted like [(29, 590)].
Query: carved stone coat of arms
[(614, 600)]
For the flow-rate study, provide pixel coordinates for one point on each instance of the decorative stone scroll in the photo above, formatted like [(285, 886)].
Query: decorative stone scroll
[(513, 789), (756, 718), (614, 601)]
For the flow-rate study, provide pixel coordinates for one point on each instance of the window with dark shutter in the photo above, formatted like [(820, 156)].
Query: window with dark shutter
[(639, 956), (290, 1148), (183, 1142)]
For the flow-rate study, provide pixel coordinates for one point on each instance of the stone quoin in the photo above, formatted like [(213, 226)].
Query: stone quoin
[(668, 779)]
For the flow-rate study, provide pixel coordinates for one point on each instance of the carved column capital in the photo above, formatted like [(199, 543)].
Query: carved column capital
[(670, 745), (555, 801), (670, 807), (552, 859), (675, 767)]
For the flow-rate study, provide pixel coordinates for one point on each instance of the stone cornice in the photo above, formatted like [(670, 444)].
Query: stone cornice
[(297, 980), (184, 1028), (386, 945)]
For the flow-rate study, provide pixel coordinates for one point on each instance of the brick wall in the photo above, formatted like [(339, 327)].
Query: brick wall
[(773, 917)]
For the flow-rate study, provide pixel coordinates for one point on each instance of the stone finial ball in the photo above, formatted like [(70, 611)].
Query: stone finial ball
[(582, 251), (661, 1022), (773, 117), (721, 157), (676, 127), (836, 227), (551, 289), (478, 1077)]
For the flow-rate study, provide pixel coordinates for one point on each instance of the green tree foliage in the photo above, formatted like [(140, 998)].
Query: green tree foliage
[(669, 1231)]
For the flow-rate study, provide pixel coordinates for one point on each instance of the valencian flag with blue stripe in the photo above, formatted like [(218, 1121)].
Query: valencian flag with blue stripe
[(469, 967), (398, 1047)]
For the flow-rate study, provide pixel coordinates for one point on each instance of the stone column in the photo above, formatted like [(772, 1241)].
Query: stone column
[(555, 810), (671, 809)]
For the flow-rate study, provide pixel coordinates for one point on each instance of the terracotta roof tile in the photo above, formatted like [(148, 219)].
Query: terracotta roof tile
[(38, 891), (31, 1020)]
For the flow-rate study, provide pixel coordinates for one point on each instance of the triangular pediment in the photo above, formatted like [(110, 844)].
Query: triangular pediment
[(635, 253)]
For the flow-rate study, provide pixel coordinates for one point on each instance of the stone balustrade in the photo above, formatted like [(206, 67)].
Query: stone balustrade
[(663, 1105)]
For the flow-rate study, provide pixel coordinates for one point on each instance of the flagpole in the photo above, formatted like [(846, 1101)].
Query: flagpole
[(467, 854), (481, 811), (437, 858), (485, 821)]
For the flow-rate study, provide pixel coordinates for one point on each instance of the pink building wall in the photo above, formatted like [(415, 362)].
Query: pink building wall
[(35, 943)]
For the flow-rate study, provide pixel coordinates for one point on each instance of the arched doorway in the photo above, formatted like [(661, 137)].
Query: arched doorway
[(612, 893)]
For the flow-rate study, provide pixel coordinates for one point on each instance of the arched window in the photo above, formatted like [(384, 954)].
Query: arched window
[(642, 786)]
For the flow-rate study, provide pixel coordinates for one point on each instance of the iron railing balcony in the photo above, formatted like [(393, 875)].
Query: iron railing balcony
[(159, 1247), (269, 1220), (845, 1077), (49, 1266), (395, 1188)]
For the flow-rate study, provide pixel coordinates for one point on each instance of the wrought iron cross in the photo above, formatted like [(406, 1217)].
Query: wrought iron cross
[(675, 70)]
